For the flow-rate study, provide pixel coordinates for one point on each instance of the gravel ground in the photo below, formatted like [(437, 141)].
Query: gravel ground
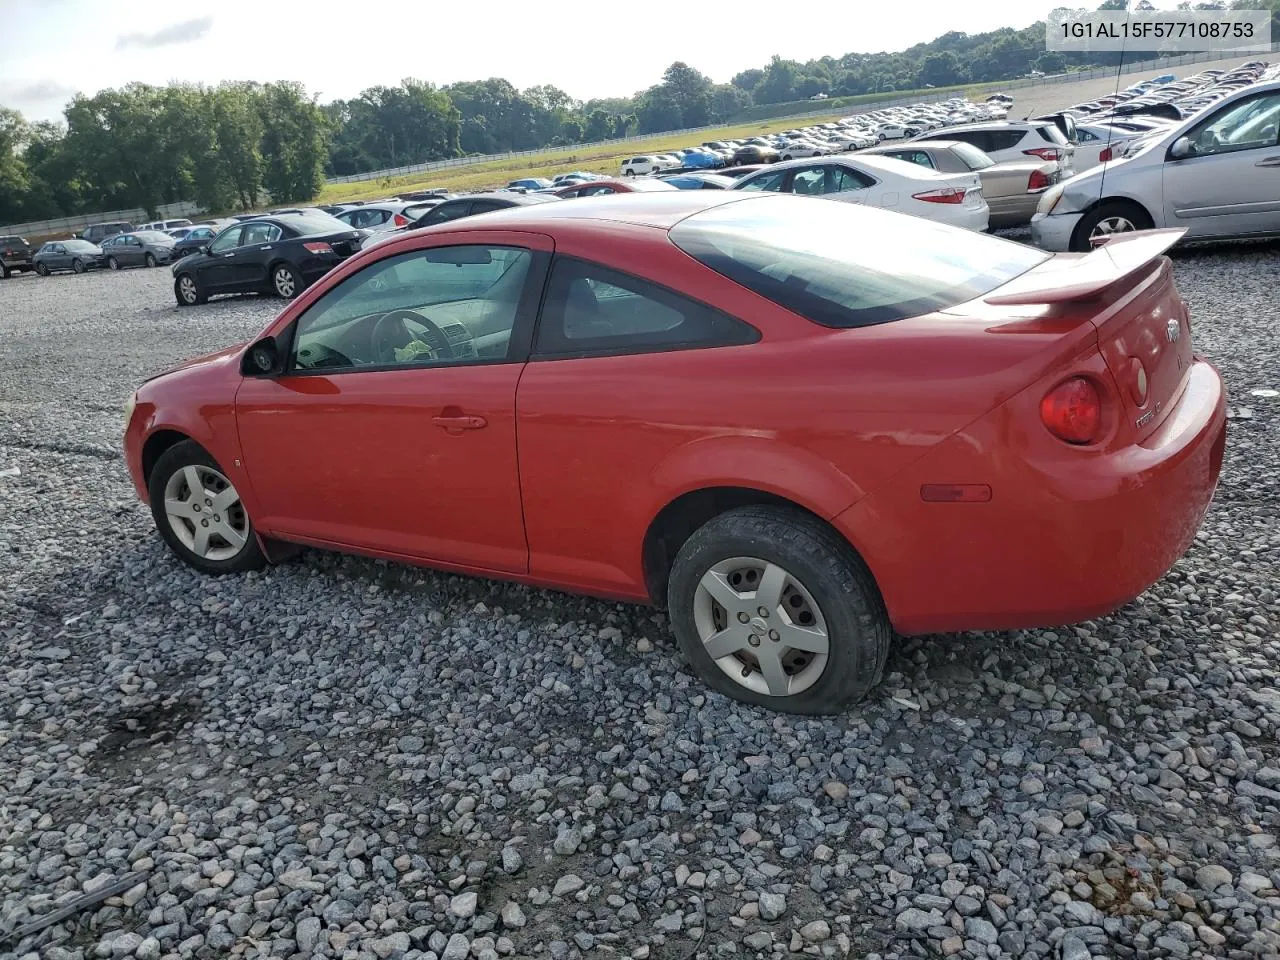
[(345, 758)]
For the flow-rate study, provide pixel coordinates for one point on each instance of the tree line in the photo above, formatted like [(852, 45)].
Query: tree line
[(234, 145)]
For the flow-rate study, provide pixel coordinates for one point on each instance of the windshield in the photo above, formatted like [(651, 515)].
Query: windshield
[(846, 265), (973, 158)]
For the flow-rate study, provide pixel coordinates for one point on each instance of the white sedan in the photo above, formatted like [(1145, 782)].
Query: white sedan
[(952, 198), (801, 148)]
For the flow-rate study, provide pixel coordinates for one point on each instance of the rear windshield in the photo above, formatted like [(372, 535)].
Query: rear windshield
[(973, 158), (312, 222), (848, 265)]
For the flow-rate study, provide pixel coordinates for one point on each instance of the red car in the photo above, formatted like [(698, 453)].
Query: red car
[(798, 425), (595, 188)]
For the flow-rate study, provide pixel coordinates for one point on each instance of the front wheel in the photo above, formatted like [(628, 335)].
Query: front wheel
[(198, 512), (187, 291), (772, 607), (1105, 221), (285, 282), (42, 269), (150, 260), (78, 266), (4, 271), (113, 263)]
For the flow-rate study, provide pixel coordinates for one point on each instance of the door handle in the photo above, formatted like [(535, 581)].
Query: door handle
[(1268, 162), (459, 422), (267, 247)]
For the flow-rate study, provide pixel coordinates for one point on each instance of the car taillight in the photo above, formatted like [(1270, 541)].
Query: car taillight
[(317, 248), (400, 220), (1037, 181), (1044, 153), (1073, 411), (1106, 154), (944, 195)]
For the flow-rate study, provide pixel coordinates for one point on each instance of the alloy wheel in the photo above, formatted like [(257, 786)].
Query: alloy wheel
[(761, 626), (1107, 226), (205, 513), (187, 287), (113, 263), (284, 283)]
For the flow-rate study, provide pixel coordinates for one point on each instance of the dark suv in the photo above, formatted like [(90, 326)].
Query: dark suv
[(100, 231), (15, 256)]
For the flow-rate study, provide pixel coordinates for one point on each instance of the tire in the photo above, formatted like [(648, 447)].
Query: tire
[(825, 581), (1114, 212), (42, 269), (186, 290), (184, 522), (786, 157), (4, 271), (113, 263), (150, 260), (78, 266), (630, 173), (285, 281)]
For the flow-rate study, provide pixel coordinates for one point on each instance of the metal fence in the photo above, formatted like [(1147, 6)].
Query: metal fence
[(44, 228)]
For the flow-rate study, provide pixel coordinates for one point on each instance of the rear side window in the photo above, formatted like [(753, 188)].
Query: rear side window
[(1004, 139), (590, 310), (979, 138), (1052, 134), (771, 181), (846, 265), (973, 158)]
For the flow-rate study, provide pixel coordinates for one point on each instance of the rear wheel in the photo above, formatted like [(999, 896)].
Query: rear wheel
[(150, 260), (773, 608), (188, 292), (78, 266), (285, 282), (1105, 221), (199, 514)]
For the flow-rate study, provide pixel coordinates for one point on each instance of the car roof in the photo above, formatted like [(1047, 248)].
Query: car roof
[(661, 208)]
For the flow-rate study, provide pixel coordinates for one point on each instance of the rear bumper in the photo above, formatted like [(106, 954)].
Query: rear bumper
[(1064, 538)]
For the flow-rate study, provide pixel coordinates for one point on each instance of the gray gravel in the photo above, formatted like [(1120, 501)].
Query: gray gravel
[(345, 758)]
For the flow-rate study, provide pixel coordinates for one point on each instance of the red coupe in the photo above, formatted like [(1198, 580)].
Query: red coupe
[(798, 425)]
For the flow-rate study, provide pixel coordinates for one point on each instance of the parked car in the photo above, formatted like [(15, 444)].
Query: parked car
[(140, 248), (1012, 190), (700, 181), (160, 226), (563, 370), (755, 153), (460, 207), (200, 235), (98, 232), (1215, 175), (643, 166), (1018, 140), (594, 188), (282, 255), (75, 255), (15, 256), (953, 198), (529, 183), (740, 170), (379, 217), (794, 149)]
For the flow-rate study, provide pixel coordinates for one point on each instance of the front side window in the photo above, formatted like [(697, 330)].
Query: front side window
[(592, 310), (771, 181), (227, 241), (440, 305), (1245, 125), (847, 265)]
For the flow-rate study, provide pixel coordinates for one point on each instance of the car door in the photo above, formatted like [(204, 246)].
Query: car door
[(1229, 184), (376, 439), (56, 258), (130, 251), (216, 271), (256, 250)]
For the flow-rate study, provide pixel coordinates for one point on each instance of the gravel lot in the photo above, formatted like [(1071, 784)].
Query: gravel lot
[(346, 758)]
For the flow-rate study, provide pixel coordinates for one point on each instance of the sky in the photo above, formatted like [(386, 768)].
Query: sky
[(52, 49)]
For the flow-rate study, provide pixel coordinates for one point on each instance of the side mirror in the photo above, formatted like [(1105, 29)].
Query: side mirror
[(1181, 149), (262, 359), (204, 248)]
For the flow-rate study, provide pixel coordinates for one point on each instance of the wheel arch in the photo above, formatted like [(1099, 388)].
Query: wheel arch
[(672, 526), (154, 447)]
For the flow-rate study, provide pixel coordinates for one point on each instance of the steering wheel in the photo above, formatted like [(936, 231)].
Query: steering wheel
[(389, 332)]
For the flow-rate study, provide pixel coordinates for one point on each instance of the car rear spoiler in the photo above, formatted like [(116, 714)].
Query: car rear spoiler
[(1063, 279)]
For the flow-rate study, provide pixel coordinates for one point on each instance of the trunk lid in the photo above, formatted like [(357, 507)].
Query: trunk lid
[(1126, 290)]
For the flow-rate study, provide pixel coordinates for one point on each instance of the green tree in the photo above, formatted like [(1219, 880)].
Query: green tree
[(941, 70), (727, 100), (598, 126), (778, 84), (571, 131), (293, 142), (238, 127), (748, 80), (15, 182)]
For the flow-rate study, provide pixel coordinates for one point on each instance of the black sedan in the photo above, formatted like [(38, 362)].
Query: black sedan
[(282, 255), (76, 255)]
